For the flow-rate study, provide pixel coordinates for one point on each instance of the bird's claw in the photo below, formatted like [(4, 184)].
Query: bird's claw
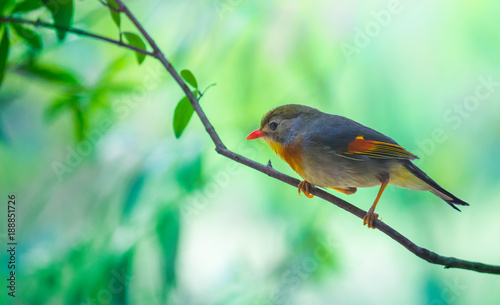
[(369, 218), (304, 187)]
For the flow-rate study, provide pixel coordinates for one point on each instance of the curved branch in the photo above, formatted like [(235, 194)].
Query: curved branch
[(74, 31), (429, 256)]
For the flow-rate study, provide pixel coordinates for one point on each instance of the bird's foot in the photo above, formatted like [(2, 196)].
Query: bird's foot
[(304, 187), (369, 218), (347, 190)]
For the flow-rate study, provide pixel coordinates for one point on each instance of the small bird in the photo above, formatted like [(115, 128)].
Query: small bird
[(332, 151)]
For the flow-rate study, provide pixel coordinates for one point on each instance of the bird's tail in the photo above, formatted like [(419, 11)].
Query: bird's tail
[(436, 189)]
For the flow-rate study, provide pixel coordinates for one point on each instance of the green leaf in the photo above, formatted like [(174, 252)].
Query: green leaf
[(182, 114), (3, 136), (62, 12), (58, 105), (109, 73), (136, 185), (80, 121), (189, 175), (136, 41), (4, 53), (114, 14), (189, 77), (27, 6), (5, 6), (31, 37), (52, 74), (168, 231)]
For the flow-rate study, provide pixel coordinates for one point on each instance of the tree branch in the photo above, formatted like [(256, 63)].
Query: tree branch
[(429, 256), (38, 23)]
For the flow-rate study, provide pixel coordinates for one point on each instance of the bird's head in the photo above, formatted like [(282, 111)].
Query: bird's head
[(284, 124)]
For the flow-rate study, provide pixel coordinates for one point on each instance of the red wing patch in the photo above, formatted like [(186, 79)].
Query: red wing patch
[(377, 149)]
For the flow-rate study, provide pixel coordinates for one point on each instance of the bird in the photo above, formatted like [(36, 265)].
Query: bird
[(332, 151)]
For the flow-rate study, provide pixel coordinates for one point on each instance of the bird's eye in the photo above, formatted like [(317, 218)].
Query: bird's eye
[(273, 125)]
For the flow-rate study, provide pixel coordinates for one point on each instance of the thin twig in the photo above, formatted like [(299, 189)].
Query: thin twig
[(429, 256), (74, 31)]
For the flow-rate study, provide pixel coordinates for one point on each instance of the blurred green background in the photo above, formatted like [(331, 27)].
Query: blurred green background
[(140, 217)]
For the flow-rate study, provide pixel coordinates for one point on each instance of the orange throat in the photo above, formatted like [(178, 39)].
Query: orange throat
[(292, 154)]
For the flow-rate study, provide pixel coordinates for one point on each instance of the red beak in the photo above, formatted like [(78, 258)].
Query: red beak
[(255, 135)]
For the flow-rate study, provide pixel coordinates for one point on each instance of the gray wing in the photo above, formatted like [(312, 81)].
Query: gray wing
[(349, 139)]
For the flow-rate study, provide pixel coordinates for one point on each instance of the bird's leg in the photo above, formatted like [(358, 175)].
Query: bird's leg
[(304, 187), (371, 215), (347, 190)]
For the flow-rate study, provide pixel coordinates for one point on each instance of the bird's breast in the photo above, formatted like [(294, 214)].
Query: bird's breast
[(292, 154)]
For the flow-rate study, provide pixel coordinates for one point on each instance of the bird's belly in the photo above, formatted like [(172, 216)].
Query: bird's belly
[(341, 174)]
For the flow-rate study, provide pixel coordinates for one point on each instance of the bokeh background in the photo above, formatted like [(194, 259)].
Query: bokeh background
[(140, 217)]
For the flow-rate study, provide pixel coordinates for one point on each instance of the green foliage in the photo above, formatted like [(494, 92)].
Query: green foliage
[(168, 231), (29, 36), (57, 106), (189, 175), (51, 74), (135, 187), (4, 53), (72, 103), (136, 41), (84, 103), (62, 13), (113, 7), (184, 110), (182, 114), (5, 5), (79, 117), (189, 77), (27, 6)]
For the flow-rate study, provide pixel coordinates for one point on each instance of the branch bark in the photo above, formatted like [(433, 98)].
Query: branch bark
[(425, 254), (38, 23)]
